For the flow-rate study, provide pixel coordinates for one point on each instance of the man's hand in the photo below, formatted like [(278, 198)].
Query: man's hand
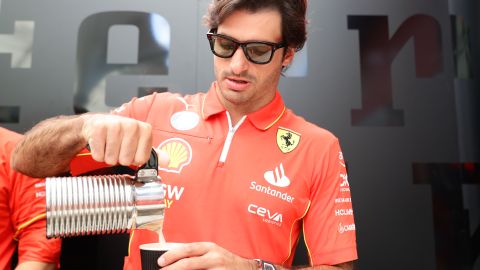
[(209, 256), (117, 140), (48, 148), (203, 255)]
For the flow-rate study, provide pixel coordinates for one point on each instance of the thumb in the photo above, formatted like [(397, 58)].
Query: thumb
[(163, 158)]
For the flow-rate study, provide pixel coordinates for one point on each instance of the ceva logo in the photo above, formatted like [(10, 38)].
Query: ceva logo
[(267, 215)]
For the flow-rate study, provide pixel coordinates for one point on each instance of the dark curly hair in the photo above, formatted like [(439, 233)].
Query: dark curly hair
[(293, 14)]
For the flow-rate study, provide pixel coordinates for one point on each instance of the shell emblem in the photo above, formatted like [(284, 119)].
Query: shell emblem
[(180, 153)]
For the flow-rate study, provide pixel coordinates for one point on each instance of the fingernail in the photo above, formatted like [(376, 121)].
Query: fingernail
[(161, 261)]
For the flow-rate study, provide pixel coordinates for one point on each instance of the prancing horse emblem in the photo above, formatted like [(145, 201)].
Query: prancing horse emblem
[(287, 140)]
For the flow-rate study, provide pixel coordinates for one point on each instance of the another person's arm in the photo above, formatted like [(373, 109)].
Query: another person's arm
[(26, 200), (47, 148)]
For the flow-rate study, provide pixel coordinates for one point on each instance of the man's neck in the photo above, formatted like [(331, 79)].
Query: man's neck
[(235, 117)]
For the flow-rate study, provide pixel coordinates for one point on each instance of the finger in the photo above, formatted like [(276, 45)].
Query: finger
[(163, 158), (96, 140), (129, 143), (144, 146), (191, 263), (185, 251), (113, 141)]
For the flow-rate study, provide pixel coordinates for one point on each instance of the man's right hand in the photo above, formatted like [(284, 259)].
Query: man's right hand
[(117, 140), (48, 148)]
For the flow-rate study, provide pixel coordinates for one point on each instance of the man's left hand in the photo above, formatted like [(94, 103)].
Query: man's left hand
[(203, 255)]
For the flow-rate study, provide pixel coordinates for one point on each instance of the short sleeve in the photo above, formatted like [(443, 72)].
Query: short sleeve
[(27, 213), (329, 227)]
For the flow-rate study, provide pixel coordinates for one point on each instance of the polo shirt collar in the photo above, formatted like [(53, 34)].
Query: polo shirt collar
[(211, 104), (262, 119)]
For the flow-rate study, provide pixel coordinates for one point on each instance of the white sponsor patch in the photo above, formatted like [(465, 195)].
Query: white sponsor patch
[(272, 192), (345, 228), (277, 177), (184, 120), (267, 215), (343, 200), (343, 212)]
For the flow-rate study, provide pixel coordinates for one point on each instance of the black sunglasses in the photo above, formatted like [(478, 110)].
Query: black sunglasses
[(258, 52)]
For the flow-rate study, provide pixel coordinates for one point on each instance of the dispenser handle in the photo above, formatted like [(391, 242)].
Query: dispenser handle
[(148, 172), (152, 162)]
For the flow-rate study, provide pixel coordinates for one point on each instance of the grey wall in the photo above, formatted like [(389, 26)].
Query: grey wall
[(396, 81)]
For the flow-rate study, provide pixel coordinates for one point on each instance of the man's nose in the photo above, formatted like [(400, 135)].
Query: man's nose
[(239, 61)]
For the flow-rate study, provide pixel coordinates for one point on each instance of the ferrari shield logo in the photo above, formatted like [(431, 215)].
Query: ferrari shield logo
[(287, 140)]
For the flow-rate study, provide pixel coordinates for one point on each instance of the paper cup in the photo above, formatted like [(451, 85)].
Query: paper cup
[(151, 252)]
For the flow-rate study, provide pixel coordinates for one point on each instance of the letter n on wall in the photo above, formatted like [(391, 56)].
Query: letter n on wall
[(377, 52)]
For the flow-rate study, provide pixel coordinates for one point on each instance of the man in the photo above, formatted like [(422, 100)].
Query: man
[(245, 173), (22, 215)]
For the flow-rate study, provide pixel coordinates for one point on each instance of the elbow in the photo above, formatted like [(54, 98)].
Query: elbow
[(20, 163), (36, 165), (17, 164)]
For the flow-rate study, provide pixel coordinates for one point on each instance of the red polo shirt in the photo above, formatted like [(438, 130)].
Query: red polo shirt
[(22, 212), (249, 188)]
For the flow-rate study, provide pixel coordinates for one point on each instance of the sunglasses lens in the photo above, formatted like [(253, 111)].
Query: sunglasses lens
[(258, 52), (223, 47)]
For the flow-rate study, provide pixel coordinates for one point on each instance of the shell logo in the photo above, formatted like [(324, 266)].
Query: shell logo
[(179, 152)]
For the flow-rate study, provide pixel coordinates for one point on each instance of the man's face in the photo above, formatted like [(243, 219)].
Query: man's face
[(243, 86)]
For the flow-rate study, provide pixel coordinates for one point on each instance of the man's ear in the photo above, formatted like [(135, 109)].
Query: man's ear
[(288, 57)]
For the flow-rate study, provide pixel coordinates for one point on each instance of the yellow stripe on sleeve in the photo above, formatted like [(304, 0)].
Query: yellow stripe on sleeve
[(26, 224), (291, 232)]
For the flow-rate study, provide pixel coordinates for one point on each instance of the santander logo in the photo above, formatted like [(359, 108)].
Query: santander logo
[(277, 177)]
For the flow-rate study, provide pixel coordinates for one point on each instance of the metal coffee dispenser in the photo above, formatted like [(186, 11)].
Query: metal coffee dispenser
[(105, 204)]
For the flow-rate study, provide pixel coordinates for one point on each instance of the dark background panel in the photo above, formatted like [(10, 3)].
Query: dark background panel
[(396, 81)]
